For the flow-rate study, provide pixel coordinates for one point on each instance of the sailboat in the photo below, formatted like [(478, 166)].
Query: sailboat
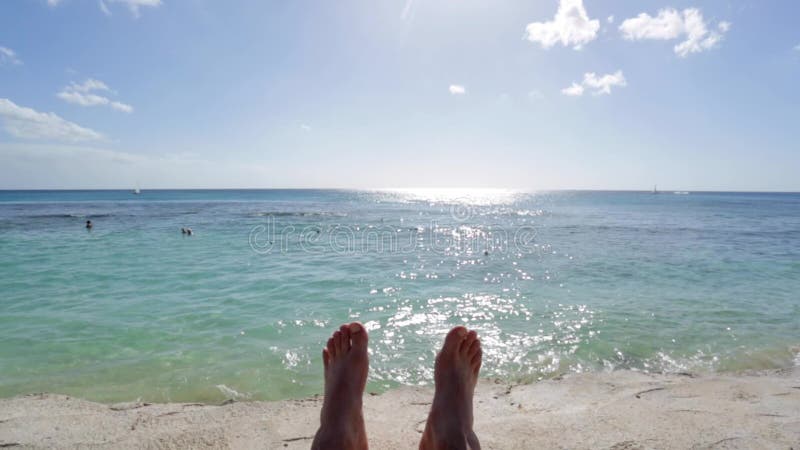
[(136, 190), (655, 189)]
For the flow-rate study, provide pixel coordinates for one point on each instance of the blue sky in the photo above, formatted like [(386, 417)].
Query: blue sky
[(688, 95)]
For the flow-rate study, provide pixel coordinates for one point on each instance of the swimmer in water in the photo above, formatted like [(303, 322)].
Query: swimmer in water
[(188, 231), (183, 230), (88, 224)]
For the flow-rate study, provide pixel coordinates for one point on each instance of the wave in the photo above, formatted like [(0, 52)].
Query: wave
[(67, 216), (233, 393), (296, 214)]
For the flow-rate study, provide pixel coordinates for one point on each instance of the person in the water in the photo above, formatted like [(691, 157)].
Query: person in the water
[(449, 424), (88, 224)]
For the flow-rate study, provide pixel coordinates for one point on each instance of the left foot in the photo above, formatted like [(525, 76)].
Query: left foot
[(346, 365)]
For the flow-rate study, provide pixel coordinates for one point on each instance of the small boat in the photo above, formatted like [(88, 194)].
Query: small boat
[(655, 189), (137, 191)]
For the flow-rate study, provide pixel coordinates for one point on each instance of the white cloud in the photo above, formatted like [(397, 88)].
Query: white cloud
[(121, 107), (457, 89), (28, 123), (571, 26), (8, 56), (673, 24), (83, 94), (89, 85), (576, 90), (601, 85), (305, 127), (667, 25), (797, 47), (610, 19), (134, 5), (53, 2), (82, 99)]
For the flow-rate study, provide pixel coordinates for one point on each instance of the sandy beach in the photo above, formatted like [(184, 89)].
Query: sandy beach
[(619, 410)]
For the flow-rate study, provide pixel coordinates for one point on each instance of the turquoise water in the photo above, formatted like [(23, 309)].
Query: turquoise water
[(572, 282)]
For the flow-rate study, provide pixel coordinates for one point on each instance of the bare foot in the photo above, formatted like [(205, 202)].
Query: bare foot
[(346, 364), (449, 423)]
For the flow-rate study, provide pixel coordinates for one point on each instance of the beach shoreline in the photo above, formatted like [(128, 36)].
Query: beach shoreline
[(615, 410)]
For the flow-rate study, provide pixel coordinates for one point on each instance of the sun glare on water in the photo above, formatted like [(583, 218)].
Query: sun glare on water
[(471, 196)]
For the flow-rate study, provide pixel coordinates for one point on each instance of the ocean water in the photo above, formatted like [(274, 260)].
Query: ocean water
[(554, 282)]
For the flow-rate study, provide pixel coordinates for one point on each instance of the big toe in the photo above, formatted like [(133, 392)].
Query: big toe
[(453, 340), (358, 336)]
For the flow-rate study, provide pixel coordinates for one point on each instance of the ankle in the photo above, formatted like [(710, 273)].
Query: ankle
[(340, 422), (333, 439), (448, 425), (452, 411), (445, 437)]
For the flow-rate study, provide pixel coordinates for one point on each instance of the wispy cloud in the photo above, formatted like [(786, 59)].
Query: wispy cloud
[(90, 165), (103, 7), (407, 9), (8, 56), (797, 47), (84, 94), (457, 89), (535, 95), (600, 85), (28, 123), (571, 26), (133, 5), (672, 24), (122, 107), (89, 85), (576, 90)]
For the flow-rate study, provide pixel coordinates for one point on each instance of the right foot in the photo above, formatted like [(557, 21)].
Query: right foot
[(346, 363), (456, 374)]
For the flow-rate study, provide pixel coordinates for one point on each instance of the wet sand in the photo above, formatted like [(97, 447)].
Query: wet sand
[(619, 410)]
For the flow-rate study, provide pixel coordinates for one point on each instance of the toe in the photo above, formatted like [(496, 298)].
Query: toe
[(475, 362), (470, 339), (325, 358), (358, 336), (331, 348), (337, 341), (474, 347), (345, 330), (454, 339)]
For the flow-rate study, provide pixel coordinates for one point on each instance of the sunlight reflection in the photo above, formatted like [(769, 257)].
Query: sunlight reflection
[(468, 196)]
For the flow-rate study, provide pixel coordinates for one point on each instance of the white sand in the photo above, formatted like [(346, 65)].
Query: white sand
[(620, 410)]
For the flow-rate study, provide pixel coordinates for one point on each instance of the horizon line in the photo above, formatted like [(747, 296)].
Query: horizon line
[(517, 190)]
